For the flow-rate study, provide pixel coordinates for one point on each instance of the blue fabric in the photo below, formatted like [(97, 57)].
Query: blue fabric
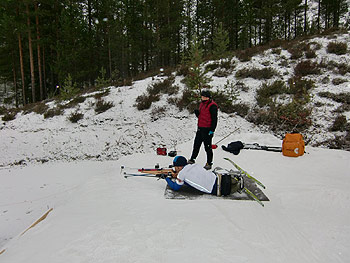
[(173, 185)]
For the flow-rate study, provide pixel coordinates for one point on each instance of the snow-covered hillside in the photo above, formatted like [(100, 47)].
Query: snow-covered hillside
[(123, 129)]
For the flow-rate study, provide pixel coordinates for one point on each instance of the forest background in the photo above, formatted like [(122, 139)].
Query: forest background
[(48, 44)]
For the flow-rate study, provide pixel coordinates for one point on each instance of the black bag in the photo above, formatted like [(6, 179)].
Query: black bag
[(225, 184), (233, 147)]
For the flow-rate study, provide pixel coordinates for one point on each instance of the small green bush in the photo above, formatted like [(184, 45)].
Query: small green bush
[(227, 64), (144, 101), (74, 102), (161, 87), (74, 117), (343, 97), (3, 110), (188, 100), (102, 106), (241, 109), (100, 95), (69, 89), (264, 73), (53, 112), (9, 116), (101, 80), (221, 73), (300, 88), (266, 91), (212, 66), (338, 48)]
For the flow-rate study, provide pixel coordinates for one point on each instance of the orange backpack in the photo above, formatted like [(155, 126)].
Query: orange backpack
[(293, 145)]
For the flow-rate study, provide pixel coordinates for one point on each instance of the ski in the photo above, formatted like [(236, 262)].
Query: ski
[(240, 180), (244, 172), (256, 146), (253, 196)]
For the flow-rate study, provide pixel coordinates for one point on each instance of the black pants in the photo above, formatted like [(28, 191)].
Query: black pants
[(202, 136)]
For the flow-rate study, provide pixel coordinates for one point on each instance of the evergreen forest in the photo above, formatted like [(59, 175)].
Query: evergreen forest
[(46, 44)]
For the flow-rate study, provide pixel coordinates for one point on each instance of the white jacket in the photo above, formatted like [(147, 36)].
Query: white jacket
[(197, 177)]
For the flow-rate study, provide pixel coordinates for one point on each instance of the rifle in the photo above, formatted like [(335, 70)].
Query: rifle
[(157, 171)]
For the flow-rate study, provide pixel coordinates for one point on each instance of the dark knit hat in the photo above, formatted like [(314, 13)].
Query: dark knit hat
[(206, 93), (179, 161)]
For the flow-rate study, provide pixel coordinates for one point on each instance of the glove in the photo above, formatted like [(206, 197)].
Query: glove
[(211, 133), (196, 112), (163, 176)]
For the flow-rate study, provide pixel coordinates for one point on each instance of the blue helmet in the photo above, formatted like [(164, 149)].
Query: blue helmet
[(179, 161)]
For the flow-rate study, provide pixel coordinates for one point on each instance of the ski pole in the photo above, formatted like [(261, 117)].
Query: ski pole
[(214, 146)]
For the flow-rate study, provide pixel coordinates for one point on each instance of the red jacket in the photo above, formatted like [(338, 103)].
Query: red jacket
[(207, 117)]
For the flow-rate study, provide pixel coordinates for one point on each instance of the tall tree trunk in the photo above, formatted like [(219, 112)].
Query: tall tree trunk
[(39, 53), (31, 55), (305, 18), (318, 15), (22, 68), (14, 78), (44, 74)]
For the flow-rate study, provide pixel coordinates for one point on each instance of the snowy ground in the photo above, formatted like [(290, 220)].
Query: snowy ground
[(98, 216)]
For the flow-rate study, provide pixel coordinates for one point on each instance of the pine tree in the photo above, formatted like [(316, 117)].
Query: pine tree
[(221, 42), (196, 80)]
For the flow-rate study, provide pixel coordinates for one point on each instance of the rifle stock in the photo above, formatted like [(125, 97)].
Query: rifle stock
[(157, 171)]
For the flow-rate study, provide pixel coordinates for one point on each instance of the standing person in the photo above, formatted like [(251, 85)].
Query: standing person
[(207, 120)]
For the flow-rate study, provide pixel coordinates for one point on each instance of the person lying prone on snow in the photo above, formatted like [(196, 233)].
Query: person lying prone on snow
[(201, 179)]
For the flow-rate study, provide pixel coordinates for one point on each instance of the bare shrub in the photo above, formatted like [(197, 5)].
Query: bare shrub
[(310, 54), (53, 112), (2, 110), (74, 117), (305, 68), (339, 123), (9, 116), (343, 68), (290, 117), (158, 112), (144, 101), (246, 54), (38, 108), (338, 48), (295, 53), (338, 81)]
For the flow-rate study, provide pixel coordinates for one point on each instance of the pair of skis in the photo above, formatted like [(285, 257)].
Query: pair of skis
[(250, 177)]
